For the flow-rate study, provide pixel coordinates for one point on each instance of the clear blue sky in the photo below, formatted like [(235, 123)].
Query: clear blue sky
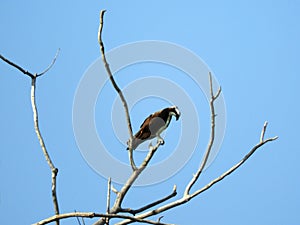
[(251, 46)]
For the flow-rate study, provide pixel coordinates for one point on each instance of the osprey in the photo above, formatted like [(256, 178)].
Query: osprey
[(154, 125)]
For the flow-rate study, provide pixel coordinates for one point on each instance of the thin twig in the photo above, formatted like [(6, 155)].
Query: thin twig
[(108, 199), (93, 215), (78, 221), (17, 67), (108, 195), (262, 136), (212, 137), (148, 206), (50, 65), (159, 218), (114, 190), (116, 87), (82, 219)]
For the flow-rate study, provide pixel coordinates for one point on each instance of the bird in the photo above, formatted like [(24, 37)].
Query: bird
[(154, 125)]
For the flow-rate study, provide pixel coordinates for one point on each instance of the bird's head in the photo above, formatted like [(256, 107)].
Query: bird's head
[(174, 111)]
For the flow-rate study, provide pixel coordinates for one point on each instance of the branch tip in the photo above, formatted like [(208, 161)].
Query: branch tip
[(218, 93), (159, 218), (50, 65), (263, 131), (175, 188)]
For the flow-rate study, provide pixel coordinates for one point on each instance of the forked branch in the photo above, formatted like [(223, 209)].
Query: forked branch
[(53, 169)]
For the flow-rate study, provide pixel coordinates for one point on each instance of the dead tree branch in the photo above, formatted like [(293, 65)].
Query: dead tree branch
[(108, 198), (135, 174), (116, 87), (50, 65), (144, 208), (94, 215), (53, 169), (17, 67), (212, 136)]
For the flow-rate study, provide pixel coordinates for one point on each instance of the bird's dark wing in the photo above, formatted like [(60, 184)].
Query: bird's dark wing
[(147, 120), (143, 134), (146, 131)]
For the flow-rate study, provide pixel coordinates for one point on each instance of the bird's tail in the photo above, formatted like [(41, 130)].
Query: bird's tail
[(135, 143)]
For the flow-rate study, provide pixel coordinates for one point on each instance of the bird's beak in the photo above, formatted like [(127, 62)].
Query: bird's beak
[(177, 117)]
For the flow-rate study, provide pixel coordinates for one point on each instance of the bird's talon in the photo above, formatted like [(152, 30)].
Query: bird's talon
[(161, 141)]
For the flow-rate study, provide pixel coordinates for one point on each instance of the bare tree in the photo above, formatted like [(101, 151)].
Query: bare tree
[(141, 214)]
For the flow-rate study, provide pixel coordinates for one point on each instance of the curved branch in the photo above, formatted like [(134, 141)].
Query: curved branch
[(50, 65), (54, 170), (116, 87), (93, 215), (213, 97), (26, 72)]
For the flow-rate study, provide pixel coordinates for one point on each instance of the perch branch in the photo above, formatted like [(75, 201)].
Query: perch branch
[(93, 215), (135, 174), (117, 206), (53, 169), (116, 87)]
